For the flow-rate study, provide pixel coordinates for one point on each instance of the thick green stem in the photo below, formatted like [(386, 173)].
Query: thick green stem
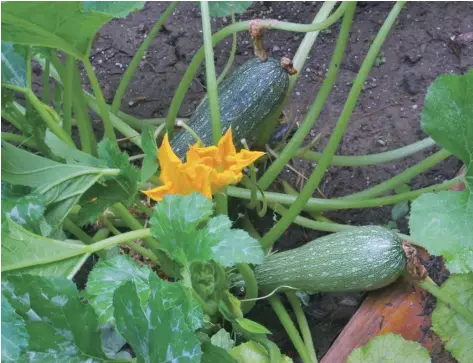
[(316, 177), (18, 139), (448, 299), (303, 325), (222, 34), (48, 119), (83, 122), (320, 205), (273, 171), (102, 106), (117, 122), (143, 208), (46, 71), (123, 238), (81, 235), (250, 285), (221, 203), (68, 89), (371, 159), (403, 177), (128, 75), (291, 329), (212, 89), (133, 245), (120, 211)]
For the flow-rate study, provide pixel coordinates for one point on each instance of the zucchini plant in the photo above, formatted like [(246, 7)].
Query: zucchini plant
[(111, 257)]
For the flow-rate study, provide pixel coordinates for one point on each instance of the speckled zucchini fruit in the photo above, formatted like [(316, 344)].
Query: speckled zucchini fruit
[(246, 98), (364, 259)]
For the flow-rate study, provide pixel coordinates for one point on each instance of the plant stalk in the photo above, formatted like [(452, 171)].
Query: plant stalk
[(316, 177), (68, 89), (251, 287)]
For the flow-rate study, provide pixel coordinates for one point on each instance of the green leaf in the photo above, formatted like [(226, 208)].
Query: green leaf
[(213, 354), (70, 154), (22, 249), (232, 246), (255, 353), (149, 146), (175, 224), (448, 325), (121, 188), (14, 335), (60, 326), (252, 326), (447, 115), (62, 25), (441, 223), (390, 348), (400, 210), (155, 333), (106, 276), (13, 65), (60, 184), (225, 8), (222, 339), (25, 209), (118, 9)]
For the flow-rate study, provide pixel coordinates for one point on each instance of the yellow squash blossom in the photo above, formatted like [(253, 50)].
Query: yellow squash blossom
[(207, 169)]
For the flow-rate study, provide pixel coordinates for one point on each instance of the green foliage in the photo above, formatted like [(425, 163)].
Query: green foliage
[(106, 276), (62, 25), (22, 207), (150, 148), (13, 65), (121, 188), (390, 348), (60, 327), (176, 221), (14, 335), (225, 8), (157, 333), (441, 222), (447, 115), (254, 352), (450, 327), (117, 9), (35, 254), (61, 185), (222, 339)]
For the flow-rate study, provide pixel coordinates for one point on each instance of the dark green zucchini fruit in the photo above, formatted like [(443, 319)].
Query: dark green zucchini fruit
[(246, 98)]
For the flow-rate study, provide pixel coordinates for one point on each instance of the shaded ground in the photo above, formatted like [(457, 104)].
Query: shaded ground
[(387, 115)]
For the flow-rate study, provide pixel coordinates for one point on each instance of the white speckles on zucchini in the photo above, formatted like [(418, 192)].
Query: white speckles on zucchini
[(336, 268), (245, 99)]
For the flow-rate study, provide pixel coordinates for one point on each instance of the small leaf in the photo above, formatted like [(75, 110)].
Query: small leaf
[(13, 65), (22, 249), (400, 210), (155, 333), (234, 245), (14, 335), (121, 188), (225, 8), (390, 348), (447, 115), (252, 352), (222, 339), (106, 276), (213, 354), (175, 224), (150, 161), (441, 223), (117, 9), (252, 326), (60, 326), (450, 327)]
